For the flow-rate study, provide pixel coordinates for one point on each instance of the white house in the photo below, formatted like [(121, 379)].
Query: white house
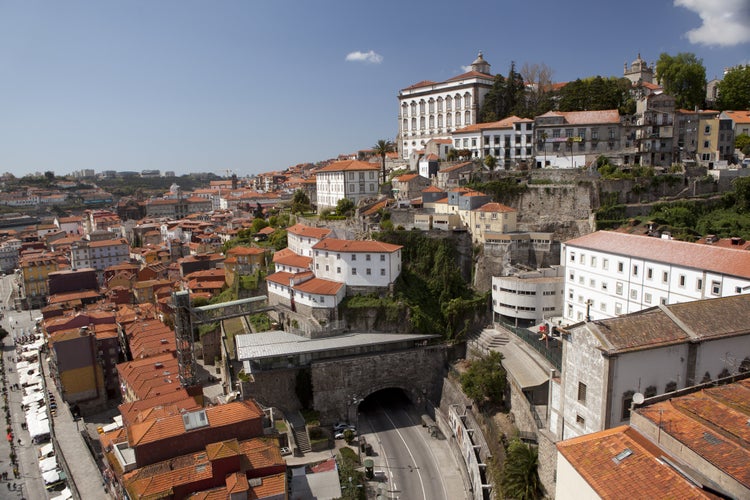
[(655, 351), (301, 238), (509, 141), (99, 254), (352, 179), (609, 274), (290, 262), (357, 263), (430, 110), (304, 289)]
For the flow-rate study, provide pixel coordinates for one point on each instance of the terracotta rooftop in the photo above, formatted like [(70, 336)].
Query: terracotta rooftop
[(586, 117), (455, 167), (705, 257), (349, 165), (711, 423), (317, 233), (319, 286), (639, 474), (287, 257), (363, 246), (495, 207), (738, 116), (178, 401), (504, 123)]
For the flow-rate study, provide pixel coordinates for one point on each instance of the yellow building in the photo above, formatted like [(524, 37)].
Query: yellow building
[(491, 219), (35, 271)]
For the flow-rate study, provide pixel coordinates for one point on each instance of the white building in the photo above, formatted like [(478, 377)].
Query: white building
[(9, 254), (301, 238), (659, 350), (352, 179), (509, 141), (304, 289), (367, 264), (99, 255), (609, 274), (528, 298), (429, 110)]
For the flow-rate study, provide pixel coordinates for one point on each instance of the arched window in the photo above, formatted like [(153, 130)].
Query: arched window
[(413, 124), (421, 123), (440, 104), (431, 105), (458, 119), (432, 121), (440, 121), (458, 102), (467, 100), (449, 103), (467, 117), (413, 108), (421, 107), (404, 110), (405, 125), (449, 120)]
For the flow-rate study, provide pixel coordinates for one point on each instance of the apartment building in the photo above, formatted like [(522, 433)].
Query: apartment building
[(609, 274), (351, 179), (510, 141), (431, 110), (99, 255)]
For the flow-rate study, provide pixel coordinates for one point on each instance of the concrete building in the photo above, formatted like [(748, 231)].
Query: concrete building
[(35, 270), (301, 238), (490, 220), (607, 362), (510, 141), (433, 110), (351, 179), (408, 186), (654, 137), (361, 265), (609, 274), (99, 255), (528, 298)]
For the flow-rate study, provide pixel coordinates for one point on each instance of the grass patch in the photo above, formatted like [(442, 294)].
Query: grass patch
[(280, 426), (312, 417)]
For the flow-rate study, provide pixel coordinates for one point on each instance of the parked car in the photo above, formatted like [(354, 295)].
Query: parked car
[(285, 451), (340, 435), (340, 426)]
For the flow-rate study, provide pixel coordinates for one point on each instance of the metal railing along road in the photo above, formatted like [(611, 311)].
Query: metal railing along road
[(551, 348)]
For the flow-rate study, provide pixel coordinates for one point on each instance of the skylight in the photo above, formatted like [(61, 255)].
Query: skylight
[(622, 455)]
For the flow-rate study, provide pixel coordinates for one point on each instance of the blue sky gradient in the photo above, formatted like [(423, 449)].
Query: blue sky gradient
[(255, 86)]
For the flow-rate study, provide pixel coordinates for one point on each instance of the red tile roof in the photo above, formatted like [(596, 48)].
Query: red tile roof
[(319, 286), (287, 257), (365, 246), (587, 117), (641, 474), (708, 257), (738, 116), (349, 165), (504, 123), (495, 207), (309, 232)]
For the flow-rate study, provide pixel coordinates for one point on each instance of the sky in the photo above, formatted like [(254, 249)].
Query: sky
[(256, 86)]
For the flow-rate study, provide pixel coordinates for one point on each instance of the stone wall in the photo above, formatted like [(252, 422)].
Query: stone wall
[(273, 388), (547, 461), (418, 372)]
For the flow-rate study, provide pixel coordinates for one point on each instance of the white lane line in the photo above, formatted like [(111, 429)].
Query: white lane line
[(421, 482), (434, 460)]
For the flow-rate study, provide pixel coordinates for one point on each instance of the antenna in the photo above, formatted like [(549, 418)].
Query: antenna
[(638, 398)]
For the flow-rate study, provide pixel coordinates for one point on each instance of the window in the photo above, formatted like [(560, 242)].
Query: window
[(580, 420), (572, 256), (382, 272), (593, 261), (649, 273), (715, 287), (664, 277), (699, 284), (618, 308), (618, 288), (382, 258), (369, 271), (367, 257), (647, 298), (620, 267), (627, 400), (338, 270), (634, 294), (605, 264), (572, 276), (682, 280), (604, 286), (354, 270), (583, 258), (603, 307), (592, 283), (635, 270), (581, 392), (354, 257), (650, 391)]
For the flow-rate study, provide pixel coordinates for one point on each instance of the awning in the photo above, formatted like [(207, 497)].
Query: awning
[(521, 367)]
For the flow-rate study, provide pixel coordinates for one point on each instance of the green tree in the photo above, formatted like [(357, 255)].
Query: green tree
[(258, 224), (742, 193), (493, 106), (452, 155), (684, 77), (734, 89), (520, 475), (485, 379), (742, 142), (506, 97), (345, 207), (382, 148), (278, 239), (490, 162), (300, 202)]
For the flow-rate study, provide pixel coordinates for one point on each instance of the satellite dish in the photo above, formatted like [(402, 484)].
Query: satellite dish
[(638, 398)]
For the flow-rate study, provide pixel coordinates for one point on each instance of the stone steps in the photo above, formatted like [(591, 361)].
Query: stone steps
[(299, 432)]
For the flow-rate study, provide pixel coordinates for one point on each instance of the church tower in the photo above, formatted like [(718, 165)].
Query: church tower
[(639, 71), (480, 65)]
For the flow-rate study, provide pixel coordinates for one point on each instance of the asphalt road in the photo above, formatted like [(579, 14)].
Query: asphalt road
[(404, 450)]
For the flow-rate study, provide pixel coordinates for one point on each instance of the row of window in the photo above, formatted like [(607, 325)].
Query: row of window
[(430, 105), (449, 119), (569, 133), (368, 256), (368, 271)]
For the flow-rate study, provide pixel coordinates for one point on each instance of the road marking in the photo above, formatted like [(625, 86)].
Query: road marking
[(434, 460), (421, 482)]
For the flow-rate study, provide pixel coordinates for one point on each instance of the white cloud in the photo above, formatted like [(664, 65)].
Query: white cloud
[(466, 69), (368, 57), (725, 22)]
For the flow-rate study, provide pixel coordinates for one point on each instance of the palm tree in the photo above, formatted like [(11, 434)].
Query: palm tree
[(382, 148), (520, 476)]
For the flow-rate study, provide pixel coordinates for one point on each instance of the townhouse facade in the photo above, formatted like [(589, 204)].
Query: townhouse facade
[(510, 140), (99, 254), (431, 110), (359, 264), (609, 274), (350, 179)]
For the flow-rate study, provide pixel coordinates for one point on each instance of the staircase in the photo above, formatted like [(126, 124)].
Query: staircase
[(299, 431), (488, 340)]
